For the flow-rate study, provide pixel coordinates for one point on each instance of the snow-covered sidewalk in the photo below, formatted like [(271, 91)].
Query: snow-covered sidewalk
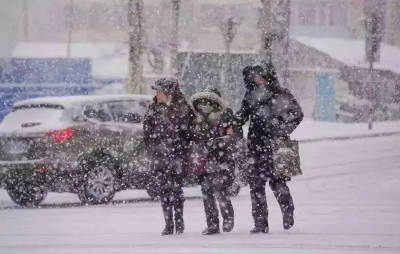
[(312, 130), (346, 203)]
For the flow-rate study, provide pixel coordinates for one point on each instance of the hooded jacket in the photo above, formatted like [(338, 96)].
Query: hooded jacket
[(209, 132), (166, 129), (273, 111)]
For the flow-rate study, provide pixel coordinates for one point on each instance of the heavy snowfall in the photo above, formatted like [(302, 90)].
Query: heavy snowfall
[(132, 126), (347, 202)]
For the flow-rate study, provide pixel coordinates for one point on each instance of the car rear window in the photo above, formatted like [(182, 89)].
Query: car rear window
[(34, 113)]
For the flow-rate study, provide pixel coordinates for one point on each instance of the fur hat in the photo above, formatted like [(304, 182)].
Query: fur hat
[(168, 85)]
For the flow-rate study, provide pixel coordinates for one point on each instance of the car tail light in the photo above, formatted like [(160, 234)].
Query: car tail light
[(61, 135), (41, 168)]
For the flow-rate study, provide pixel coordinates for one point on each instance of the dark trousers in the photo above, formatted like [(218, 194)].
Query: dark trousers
[(214, 187), (260, 174), (172, 198)]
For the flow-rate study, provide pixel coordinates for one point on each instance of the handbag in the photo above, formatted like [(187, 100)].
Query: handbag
[(285, 157)]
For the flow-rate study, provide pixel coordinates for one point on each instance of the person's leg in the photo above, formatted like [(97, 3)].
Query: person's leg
[(285, 200), (226, 208), (178, 204), (259, 204), (166, 202), (257, 182), (210, 207)]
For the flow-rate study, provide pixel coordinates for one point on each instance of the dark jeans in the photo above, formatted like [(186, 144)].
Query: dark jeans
[(214, 187)]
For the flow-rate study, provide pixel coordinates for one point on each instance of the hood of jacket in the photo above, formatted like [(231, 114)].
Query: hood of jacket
[(209, 96)]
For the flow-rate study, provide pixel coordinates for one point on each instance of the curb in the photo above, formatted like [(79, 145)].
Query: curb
[(375, 135)]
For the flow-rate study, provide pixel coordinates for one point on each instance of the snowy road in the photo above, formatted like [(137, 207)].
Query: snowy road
[(348, 201)]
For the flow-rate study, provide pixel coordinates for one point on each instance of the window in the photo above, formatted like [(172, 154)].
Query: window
[(337, 14), (210, 15), (327, 13), (307, 14), (128, 111), (321, 16), (97, 112)]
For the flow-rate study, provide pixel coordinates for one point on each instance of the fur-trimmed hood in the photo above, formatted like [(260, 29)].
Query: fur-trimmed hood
[(207, 95)]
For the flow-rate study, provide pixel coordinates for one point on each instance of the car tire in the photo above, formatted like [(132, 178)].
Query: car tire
[(100, 178), (27, 194)]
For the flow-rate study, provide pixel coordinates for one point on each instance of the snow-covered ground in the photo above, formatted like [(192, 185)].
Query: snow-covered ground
[(347, 201), (310, 129), (314, 130)]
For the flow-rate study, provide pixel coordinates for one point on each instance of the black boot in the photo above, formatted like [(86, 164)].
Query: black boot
[(211, 231), (178, 202), (168, 230), (285, 200), (261, 226), (168, 216), (257, 230), (288, 219), (259, 206), (228, 225), (227, 212), (179, 222)]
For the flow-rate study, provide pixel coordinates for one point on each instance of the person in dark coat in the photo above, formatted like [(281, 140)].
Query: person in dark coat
[(213, 133), (273, 113), (166, 137)]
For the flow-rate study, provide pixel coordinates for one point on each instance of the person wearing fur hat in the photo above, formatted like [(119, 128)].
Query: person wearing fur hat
[(214, 139), (273, 113), (167, 137)]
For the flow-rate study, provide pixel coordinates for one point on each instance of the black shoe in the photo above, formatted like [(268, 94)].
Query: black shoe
[(167, 231), (211, 231), (259, 231), (227, 226), (179, 229), (288, 220)]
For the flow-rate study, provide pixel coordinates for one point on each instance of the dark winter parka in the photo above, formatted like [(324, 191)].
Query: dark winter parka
[(211, 132), (273, 111), (166, 133)]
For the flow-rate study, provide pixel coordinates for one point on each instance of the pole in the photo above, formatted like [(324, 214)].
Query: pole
[(135, 19), (70, 24), (26, 20), (265, 23), (175, 36), (372, 109), (286, 43), (228, 29)]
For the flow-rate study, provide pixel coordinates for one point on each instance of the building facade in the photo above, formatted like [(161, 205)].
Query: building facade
[(105, 20)]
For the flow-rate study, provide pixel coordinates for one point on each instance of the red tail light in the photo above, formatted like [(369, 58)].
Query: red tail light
[(61, 135)]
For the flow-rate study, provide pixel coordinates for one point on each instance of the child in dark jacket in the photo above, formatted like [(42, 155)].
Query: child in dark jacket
[(214, 140)]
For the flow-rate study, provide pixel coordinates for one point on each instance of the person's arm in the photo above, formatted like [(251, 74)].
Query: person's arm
[(148, 129), (290, 115), (243, 114)]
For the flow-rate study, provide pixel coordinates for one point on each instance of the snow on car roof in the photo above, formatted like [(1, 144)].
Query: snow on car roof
[(74, 100)]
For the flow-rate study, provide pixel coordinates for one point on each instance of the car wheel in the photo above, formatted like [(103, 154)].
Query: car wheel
[(27, 194), (99, 186)]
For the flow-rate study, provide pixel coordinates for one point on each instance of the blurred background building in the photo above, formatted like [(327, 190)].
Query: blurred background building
[(326, 36)]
